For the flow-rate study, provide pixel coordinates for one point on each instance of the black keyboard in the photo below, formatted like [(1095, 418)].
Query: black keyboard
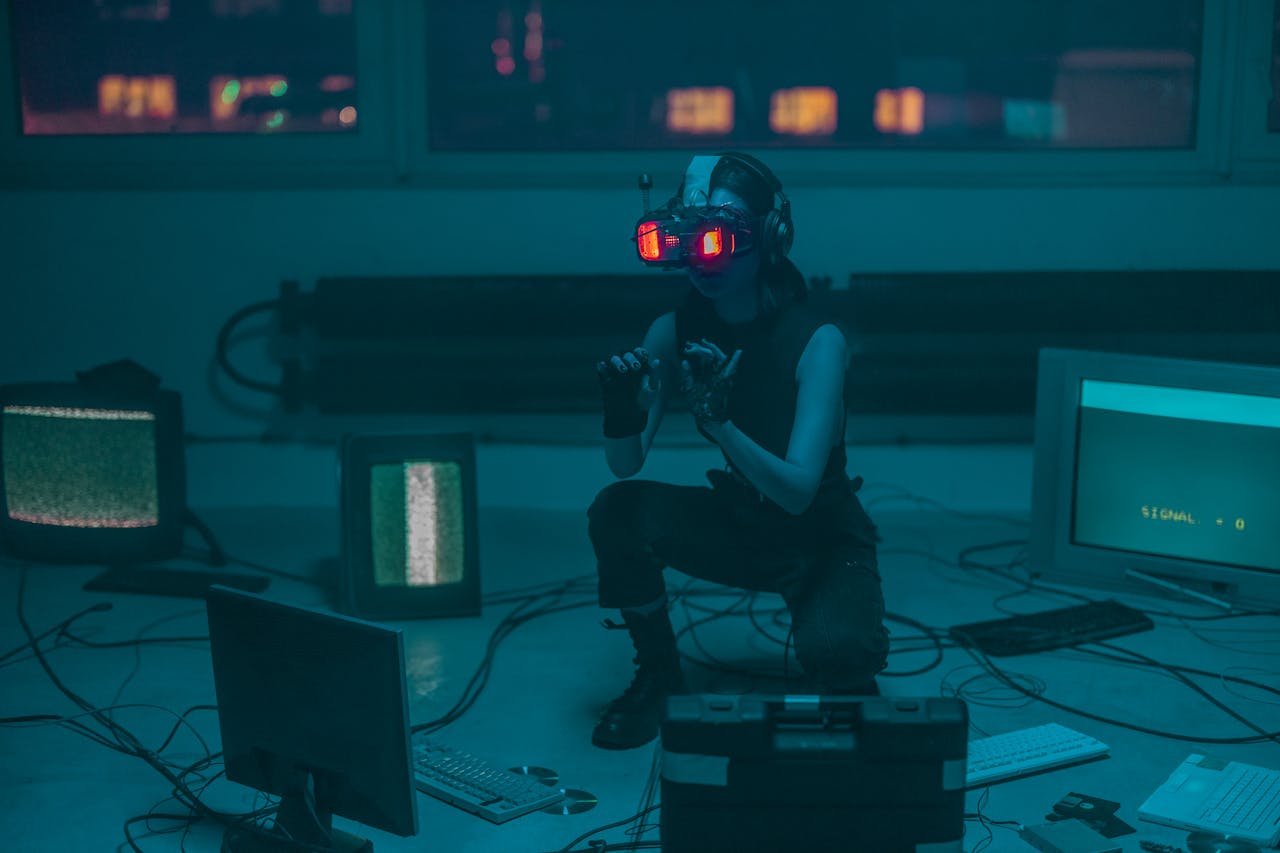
[(1052, 629)]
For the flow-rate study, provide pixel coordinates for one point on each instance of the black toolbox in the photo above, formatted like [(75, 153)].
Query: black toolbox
[(813, 773)]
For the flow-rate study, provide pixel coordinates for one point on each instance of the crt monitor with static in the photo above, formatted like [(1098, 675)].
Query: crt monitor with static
[(90, 474), (1169, 468), (409, 538)]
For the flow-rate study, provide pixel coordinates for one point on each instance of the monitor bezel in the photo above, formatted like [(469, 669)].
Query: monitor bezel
[(357, 592), (1054, 556), (240, 738), (52, 543)]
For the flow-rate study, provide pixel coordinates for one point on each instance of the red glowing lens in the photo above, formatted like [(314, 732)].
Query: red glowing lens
[(647, 241), (712, 243)]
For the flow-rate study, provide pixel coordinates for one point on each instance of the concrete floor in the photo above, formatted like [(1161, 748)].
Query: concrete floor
[(59, 792)]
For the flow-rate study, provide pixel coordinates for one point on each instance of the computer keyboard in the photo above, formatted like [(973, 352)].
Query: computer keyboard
[(1244, 802), (1026, 751), (475, 785), (1053, 629)]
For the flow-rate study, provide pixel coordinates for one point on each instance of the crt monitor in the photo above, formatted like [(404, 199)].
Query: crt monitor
[(91, 474), (409, 543), (313, 708), (1165, 467)]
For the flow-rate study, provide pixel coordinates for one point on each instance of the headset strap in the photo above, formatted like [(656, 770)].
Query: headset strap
[(697, 180)]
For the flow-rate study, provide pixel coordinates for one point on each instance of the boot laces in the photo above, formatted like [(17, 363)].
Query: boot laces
[(648, 675), (642, 685)]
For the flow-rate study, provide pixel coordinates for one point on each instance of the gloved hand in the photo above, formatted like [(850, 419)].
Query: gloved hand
[(629, 382), (706, 380)]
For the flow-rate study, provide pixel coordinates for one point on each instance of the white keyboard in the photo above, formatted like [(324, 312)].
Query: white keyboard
[(474, 784), (1027, 751), (1246, 800)]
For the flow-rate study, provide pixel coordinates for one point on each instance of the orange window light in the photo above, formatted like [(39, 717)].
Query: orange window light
[(703, 110), (803, 111), (134, 97), (900, 111)]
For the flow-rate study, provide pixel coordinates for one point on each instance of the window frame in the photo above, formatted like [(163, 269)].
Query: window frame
[(213, 159), (1205, 161), (390, 148), (1256, 151)]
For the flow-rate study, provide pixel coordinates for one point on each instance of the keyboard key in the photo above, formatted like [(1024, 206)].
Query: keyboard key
[(473, 784), (1027, 751)]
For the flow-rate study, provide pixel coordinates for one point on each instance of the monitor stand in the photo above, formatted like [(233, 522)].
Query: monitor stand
[(297, 820)]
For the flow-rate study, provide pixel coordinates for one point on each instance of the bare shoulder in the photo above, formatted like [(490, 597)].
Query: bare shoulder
[(827, 351), (661, 337)]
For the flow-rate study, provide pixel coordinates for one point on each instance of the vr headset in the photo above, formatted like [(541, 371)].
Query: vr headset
[(688, 232)]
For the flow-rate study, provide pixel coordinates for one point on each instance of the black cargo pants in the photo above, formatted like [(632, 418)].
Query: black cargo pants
[(823, 562)]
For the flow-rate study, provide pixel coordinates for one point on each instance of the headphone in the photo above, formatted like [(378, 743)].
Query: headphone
[(776, 233)]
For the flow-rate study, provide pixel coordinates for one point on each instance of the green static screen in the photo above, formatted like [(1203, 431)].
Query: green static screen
[(417, 523), (74, 467)]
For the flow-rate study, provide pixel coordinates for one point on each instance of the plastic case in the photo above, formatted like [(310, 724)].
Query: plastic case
[(771, 773)]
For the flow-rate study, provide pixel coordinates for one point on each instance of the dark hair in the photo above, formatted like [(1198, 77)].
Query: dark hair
[(781, 278)]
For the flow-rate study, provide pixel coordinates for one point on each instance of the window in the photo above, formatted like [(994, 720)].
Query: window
[(1255, 109), (551, 75), (1273, 105), (281, 92), (116, 67)]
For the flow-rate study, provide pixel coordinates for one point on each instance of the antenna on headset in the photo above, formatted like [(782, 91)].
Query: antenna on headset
[(646, 184)]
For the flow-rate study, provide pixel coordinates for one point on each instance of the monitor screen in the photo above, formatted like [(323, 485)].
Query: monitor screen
[(165, 68), (416, 510), (306, 694), (80, 467), (1178, 472), (409, 544), (91, 472)]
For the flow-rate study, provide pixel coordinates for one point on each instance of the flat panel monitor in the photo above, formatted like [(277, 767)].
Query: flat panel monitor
[(312, 707)]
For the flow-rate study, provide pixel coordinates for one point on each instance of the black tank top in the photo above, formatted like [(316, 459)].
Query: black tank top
[(762, 402)]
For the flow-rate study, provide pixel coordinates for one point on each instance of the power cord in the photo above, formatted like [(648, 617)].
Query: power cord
[(216, 555), (984, 661), (630, 845), (224, 342), (513, 620), (129, 744), (100, 607)]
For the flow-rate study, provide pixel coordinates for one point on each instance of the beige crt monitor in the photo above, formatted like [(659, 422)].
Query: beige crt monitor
[(1167, 467)]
